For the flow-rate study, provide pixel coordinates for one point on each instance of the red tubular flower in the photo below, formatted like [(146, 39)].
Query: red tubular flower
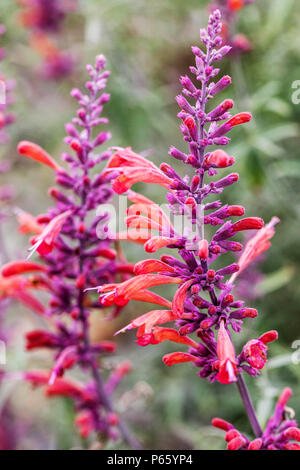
[(44, 243), (68, 388), (40, 339), (255, 351), (256, 444), (179, 298), (157, 242), (135, 236), (238, 119), (134, 168), (145, 324), (85, 423), (152, 298), (132, 286), (203, 249), (151, 266), (151, 211), (284, 397), (249, 223), (163, 334), (221, 424), (35, 152), (269, 336), (219, 159), (232, 434), (292, 433), (190, 123), (17, 287), (178, 358), (19, 267), (226, 355), (292, 446), (236, 443)]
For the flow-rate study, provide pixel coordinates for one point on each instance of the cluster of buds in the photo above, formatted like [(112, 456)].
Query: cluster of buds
[(281, 432), (73, 259), (230, 10), (44, 18)]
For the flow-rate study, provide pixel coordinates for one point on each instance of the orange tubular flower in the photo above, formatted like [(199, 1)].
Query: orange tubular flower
[(157, 242), (17, 287), (28, 223), (130, 288), (256, 246), (134, 168), (178, 358), (44, 242), (179, 298), (145, 324), (226, 355), (151, 266), (164, 334), (35, 152)]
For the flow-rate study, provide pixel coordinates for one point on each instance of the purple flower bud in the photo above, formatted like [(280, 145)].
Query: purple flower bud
[(223, 83), (185, 105)]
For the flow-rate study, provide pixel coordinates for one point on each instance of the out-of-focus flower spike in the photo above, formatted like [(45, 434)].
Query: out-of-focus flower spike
[(35, 152)]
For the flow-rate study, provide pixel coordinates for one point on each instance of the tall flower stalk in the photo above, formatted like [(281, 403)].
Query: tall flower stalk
[(203, 302), (73, 259)]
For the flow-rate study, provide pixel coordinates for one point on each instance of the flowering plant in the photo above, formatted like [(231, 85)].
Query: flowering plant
[(73, 259), (203, 302)]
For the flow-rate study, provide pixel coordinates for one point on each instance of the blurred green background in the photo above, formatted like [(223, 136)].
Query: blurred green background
[(148, 47)]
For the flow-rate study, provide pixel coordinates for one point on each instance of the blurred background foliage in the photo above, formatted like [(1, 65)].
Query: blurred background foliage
[(148, 47)]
